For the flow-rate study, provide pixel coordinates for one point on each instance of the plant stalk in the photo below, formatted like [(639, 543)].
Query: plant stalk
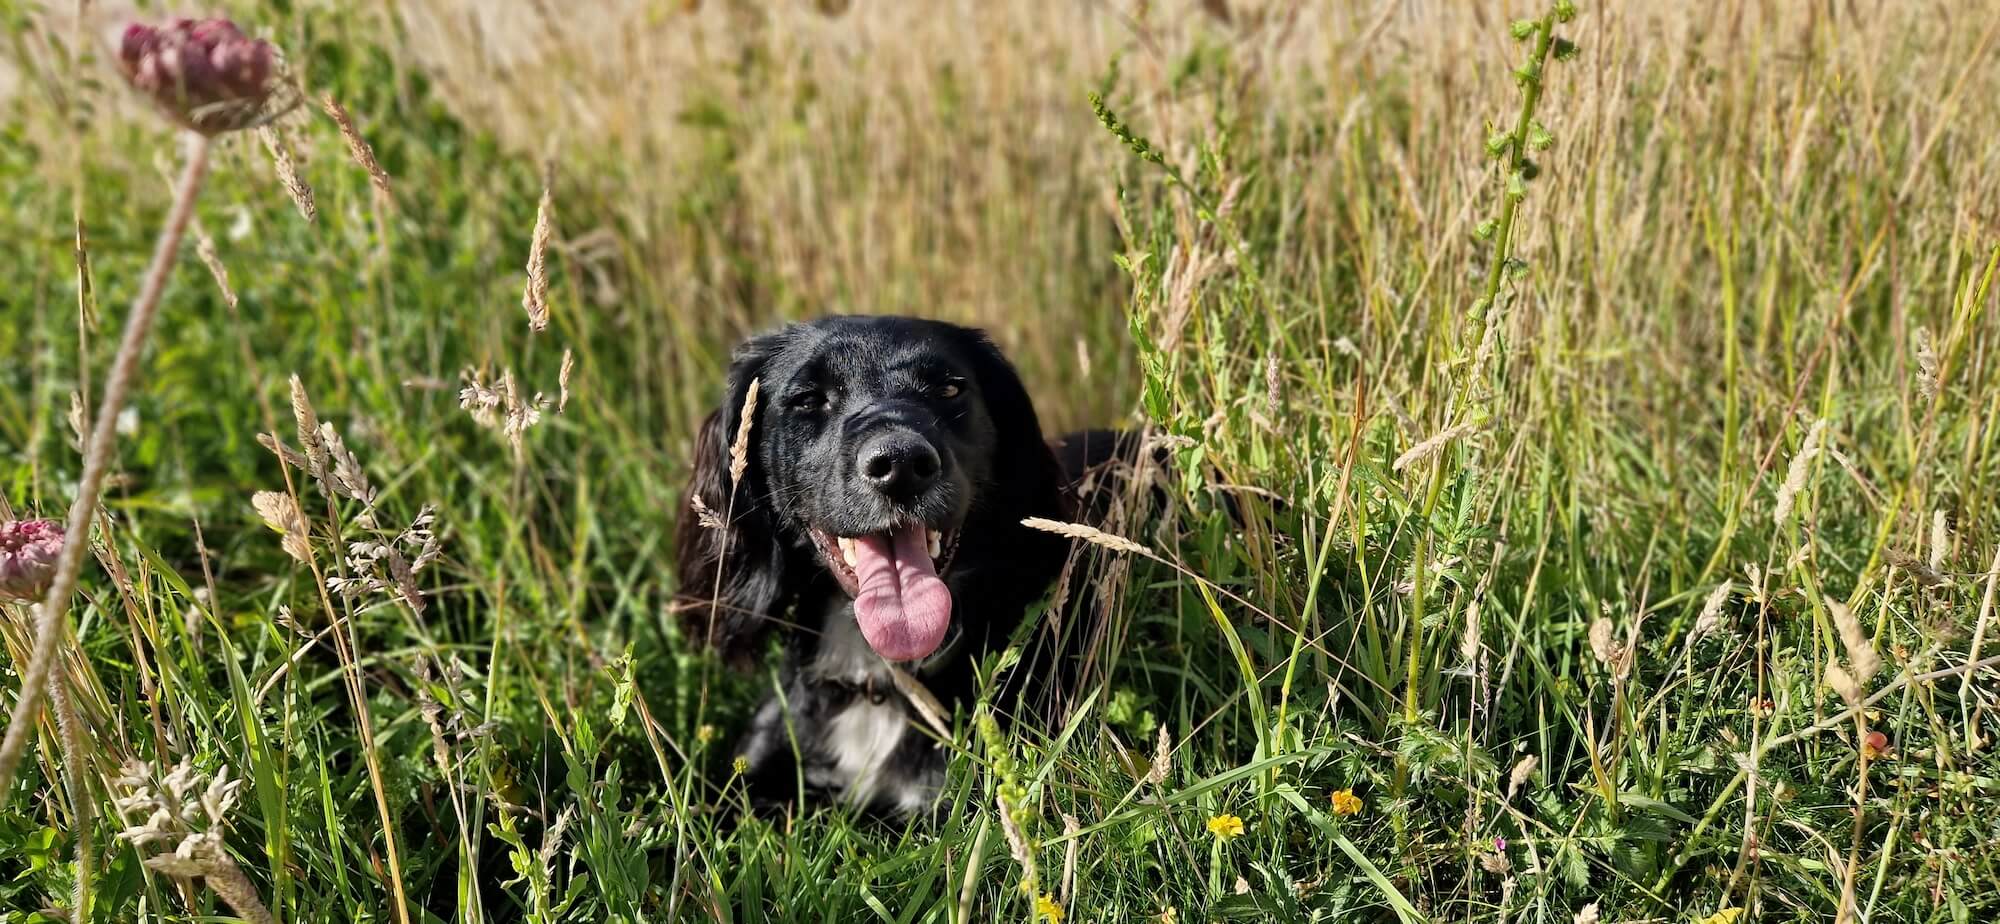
[(97, 460)]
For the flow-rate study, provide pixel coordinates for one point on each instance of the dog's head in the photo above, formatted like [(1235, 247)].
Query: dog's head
[(891, 457)]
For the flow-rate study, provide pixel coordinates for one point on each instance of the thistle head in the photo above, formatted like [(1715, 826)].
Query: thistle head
[(205, 74), (28, 553)]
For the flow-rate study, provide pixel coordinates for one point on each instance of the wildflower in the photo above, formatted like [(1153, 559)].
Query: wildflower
[(1875, 746), (205, 74), (28, 553), (1345, 802), (1226, 827), (1046, 909), (740, 765), (705, 734)]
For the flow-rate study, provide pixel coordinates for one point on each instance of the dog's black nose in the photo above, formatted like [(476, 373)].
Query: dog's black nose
[(899, 463)]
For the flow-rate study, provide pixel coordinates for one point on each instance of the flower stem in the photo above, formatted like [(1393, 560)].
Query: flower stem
[(96, 459), (1517, 157)]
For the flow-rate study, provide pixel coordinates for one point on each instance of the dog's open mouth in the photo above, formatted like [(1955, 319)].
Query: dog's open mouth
[(900, 600)]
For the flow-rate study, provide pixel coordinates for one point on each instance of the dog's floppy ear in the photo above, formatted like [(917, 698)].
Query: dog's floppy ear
[(729, 562), (1034, 479)]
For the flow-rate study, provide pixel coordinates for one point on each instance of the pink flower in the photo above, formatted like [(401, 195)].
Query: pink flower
[(28, 553), (205, 74)]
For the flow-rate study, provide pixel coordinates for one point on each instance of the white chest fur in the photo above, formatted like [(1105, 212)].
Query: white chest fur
[(860, 740)]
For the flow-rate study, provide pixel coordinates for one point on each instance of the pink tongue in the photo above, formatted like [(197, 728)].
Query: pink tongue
[(902, 606)]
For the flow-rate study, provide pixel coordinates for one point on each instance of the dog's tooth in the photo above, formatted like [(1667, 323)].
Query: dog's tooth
[(847, 551), (935, 541)]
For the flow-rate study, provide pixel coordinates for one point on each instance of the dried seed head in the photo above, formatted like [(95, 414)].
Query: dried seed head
[(1602, 641), (535, 295), (1274, 396), (1088, 534), (739, 449), (1524, 769), (1843, 683), (1431, 446), (1163, 758), (1861, 655), (281, 513), (206, 75), (358, 147), (204, 247), (1940, 540), (1711, 611), (288, 172), (28, 553), (1927, 364), (1795, 477), (562, 380), (922, 700), (704, 514), (308, 426)]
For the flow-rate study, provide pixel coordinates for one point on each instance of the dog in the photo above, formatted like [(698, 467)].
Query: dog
[(868, 507)]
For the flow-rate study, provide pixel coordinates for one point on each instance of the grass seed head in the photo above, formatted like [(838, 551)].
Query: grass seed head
[(1861, 656), (1795, 476), (1090, 534), (280, 512), (1927, 364), (535, 295), (739, 448), (1430, 446), (1524, 770), (358, 147), (288, 172), (1711, 610)]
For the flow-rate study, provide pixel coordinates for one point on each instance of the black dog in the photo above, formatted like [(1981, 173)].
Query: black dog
[(877, 519)]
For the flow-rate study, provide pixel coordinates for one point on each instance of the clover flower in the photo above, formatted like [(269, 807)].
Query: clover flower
[(205, 74), (28, 553)]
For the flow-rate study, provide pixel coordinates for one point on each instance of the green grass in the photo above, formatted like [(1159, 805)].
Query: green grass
[(1739, 228)]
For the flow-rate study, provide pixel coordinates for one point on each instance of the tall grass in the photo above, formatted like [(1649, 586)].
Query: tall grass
[(1542, 533)]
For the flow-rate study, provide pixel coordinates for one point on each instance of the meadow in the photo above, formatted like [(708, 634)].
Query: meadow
[(1584, 427)]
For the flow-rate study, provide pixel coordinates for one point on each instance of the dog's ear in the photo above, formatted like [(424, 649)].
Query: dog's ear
[(730, 565), (1033, 476)]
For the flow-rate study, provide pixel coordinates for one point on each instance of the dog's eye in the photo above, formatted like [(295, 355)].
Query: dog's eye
[(810, 402), (950, 390)]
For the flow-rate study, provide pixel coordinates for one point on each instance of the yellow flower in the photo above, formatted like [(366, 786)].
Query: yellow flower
[(1345, 802), (1725, 916), (741, 765), (1047, 909), (1226, 826)]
